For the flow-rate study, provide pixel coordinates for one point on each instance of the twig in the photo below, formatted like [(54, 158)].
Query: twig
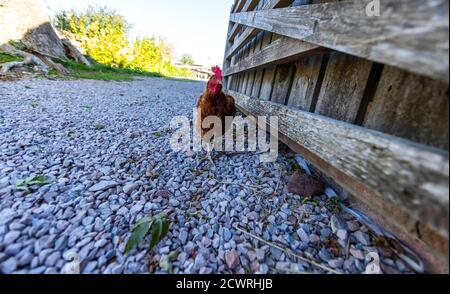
[(287, 251), (347, 249), (237, 184)]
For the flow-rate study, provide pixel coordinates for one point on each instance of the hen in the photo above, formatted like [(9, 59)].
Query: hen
[(214, 102)]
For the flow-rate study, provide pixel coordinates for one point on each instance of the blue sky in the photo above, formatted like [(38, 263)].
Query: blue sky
[(196, 27)]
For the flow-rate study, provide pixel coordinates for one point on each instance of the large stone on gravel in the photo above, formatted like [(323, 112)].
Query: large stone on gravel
[(28, 21), (304, 185), (102, 186)]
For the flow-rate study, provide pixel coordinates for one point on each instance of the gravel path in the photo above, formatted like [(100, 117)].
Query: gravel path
[(105, 147)]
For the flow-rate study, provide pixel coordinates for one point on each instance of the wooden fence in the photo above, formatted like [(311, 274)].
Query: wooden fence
[(363, 97)]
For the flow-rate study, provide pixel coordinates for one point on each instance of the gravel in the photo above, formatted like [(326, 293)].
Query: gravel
[(103, 180)]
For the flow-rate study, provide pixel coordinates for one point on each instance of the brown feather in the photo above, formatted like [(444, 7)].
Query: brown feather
[(219, 105)]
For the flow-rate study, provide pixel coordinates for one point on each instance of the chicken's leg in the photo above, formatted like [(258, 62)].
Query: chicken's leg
[(208, 152)]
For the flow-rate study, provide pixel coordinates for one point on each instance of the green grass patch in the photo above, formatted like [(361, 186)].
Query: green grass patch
[(37, 181), (100, 76), (186, 80), (100, 127), (6, 57), (105, 73)]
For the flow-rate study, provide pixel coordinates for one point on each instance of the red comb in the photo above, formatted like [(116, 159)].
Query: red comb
[(217, 71)]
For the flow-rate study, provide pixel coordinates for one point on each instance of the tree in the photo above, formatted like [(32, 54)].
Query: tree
[(187, 59)]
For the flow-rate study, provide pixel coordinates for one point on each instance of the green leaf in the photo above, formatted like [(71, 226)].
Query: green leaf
[(166, 261), (145, 220), (156, 234), (165, 228), (137, 236), (39, 180)]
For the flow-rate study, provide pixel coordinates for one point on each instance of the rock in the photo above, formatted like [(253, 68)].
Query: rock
[(342, 235), (100, 243), (232, 259), (314, 238), (122, 211), (253, 216), (99, 225), (25, 259), (337, 223), (324, 255), (87, 221), (336, 263), (133, 135), (282, 266), (358, 254), (163, 194), (102, 186), (7, 215), (362, 238), (53, 259), (227, 235), (174, 203), (11, 237), (90, 267), (264, 269), (13, 249), (9, 266), (353, 226), (276, 253), (303, 236), (183, 236), (304, 185), (326, 233), (130, 188), (61, 243), (260, 254), (136, 209), (34, 29), (199, 262)]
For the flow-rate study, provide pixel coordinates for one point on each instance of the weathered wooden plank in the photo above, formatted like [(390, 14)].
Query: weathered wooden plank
[(306, 80), (410, 34), (412, 107), (281, 51), (267, 83), (343, 87), (250, 5), (268, 73), (282, 83), (239, 5), (368, 163), (257, 83), (249, 33)]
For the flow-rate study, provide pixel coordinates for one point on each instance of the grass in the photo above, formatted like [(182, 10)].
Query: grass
[(186, 80), (100, 127), (105, 73), (100, 76), (5, 57)]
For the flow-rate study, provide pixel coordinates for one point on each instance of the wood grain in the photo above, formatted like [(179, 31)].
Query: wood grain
[(413, 176), (409, 34)]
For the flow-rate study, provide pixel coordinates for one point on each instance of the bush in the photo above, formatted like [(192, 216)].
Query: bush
[(187, 59), (104, 35)]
